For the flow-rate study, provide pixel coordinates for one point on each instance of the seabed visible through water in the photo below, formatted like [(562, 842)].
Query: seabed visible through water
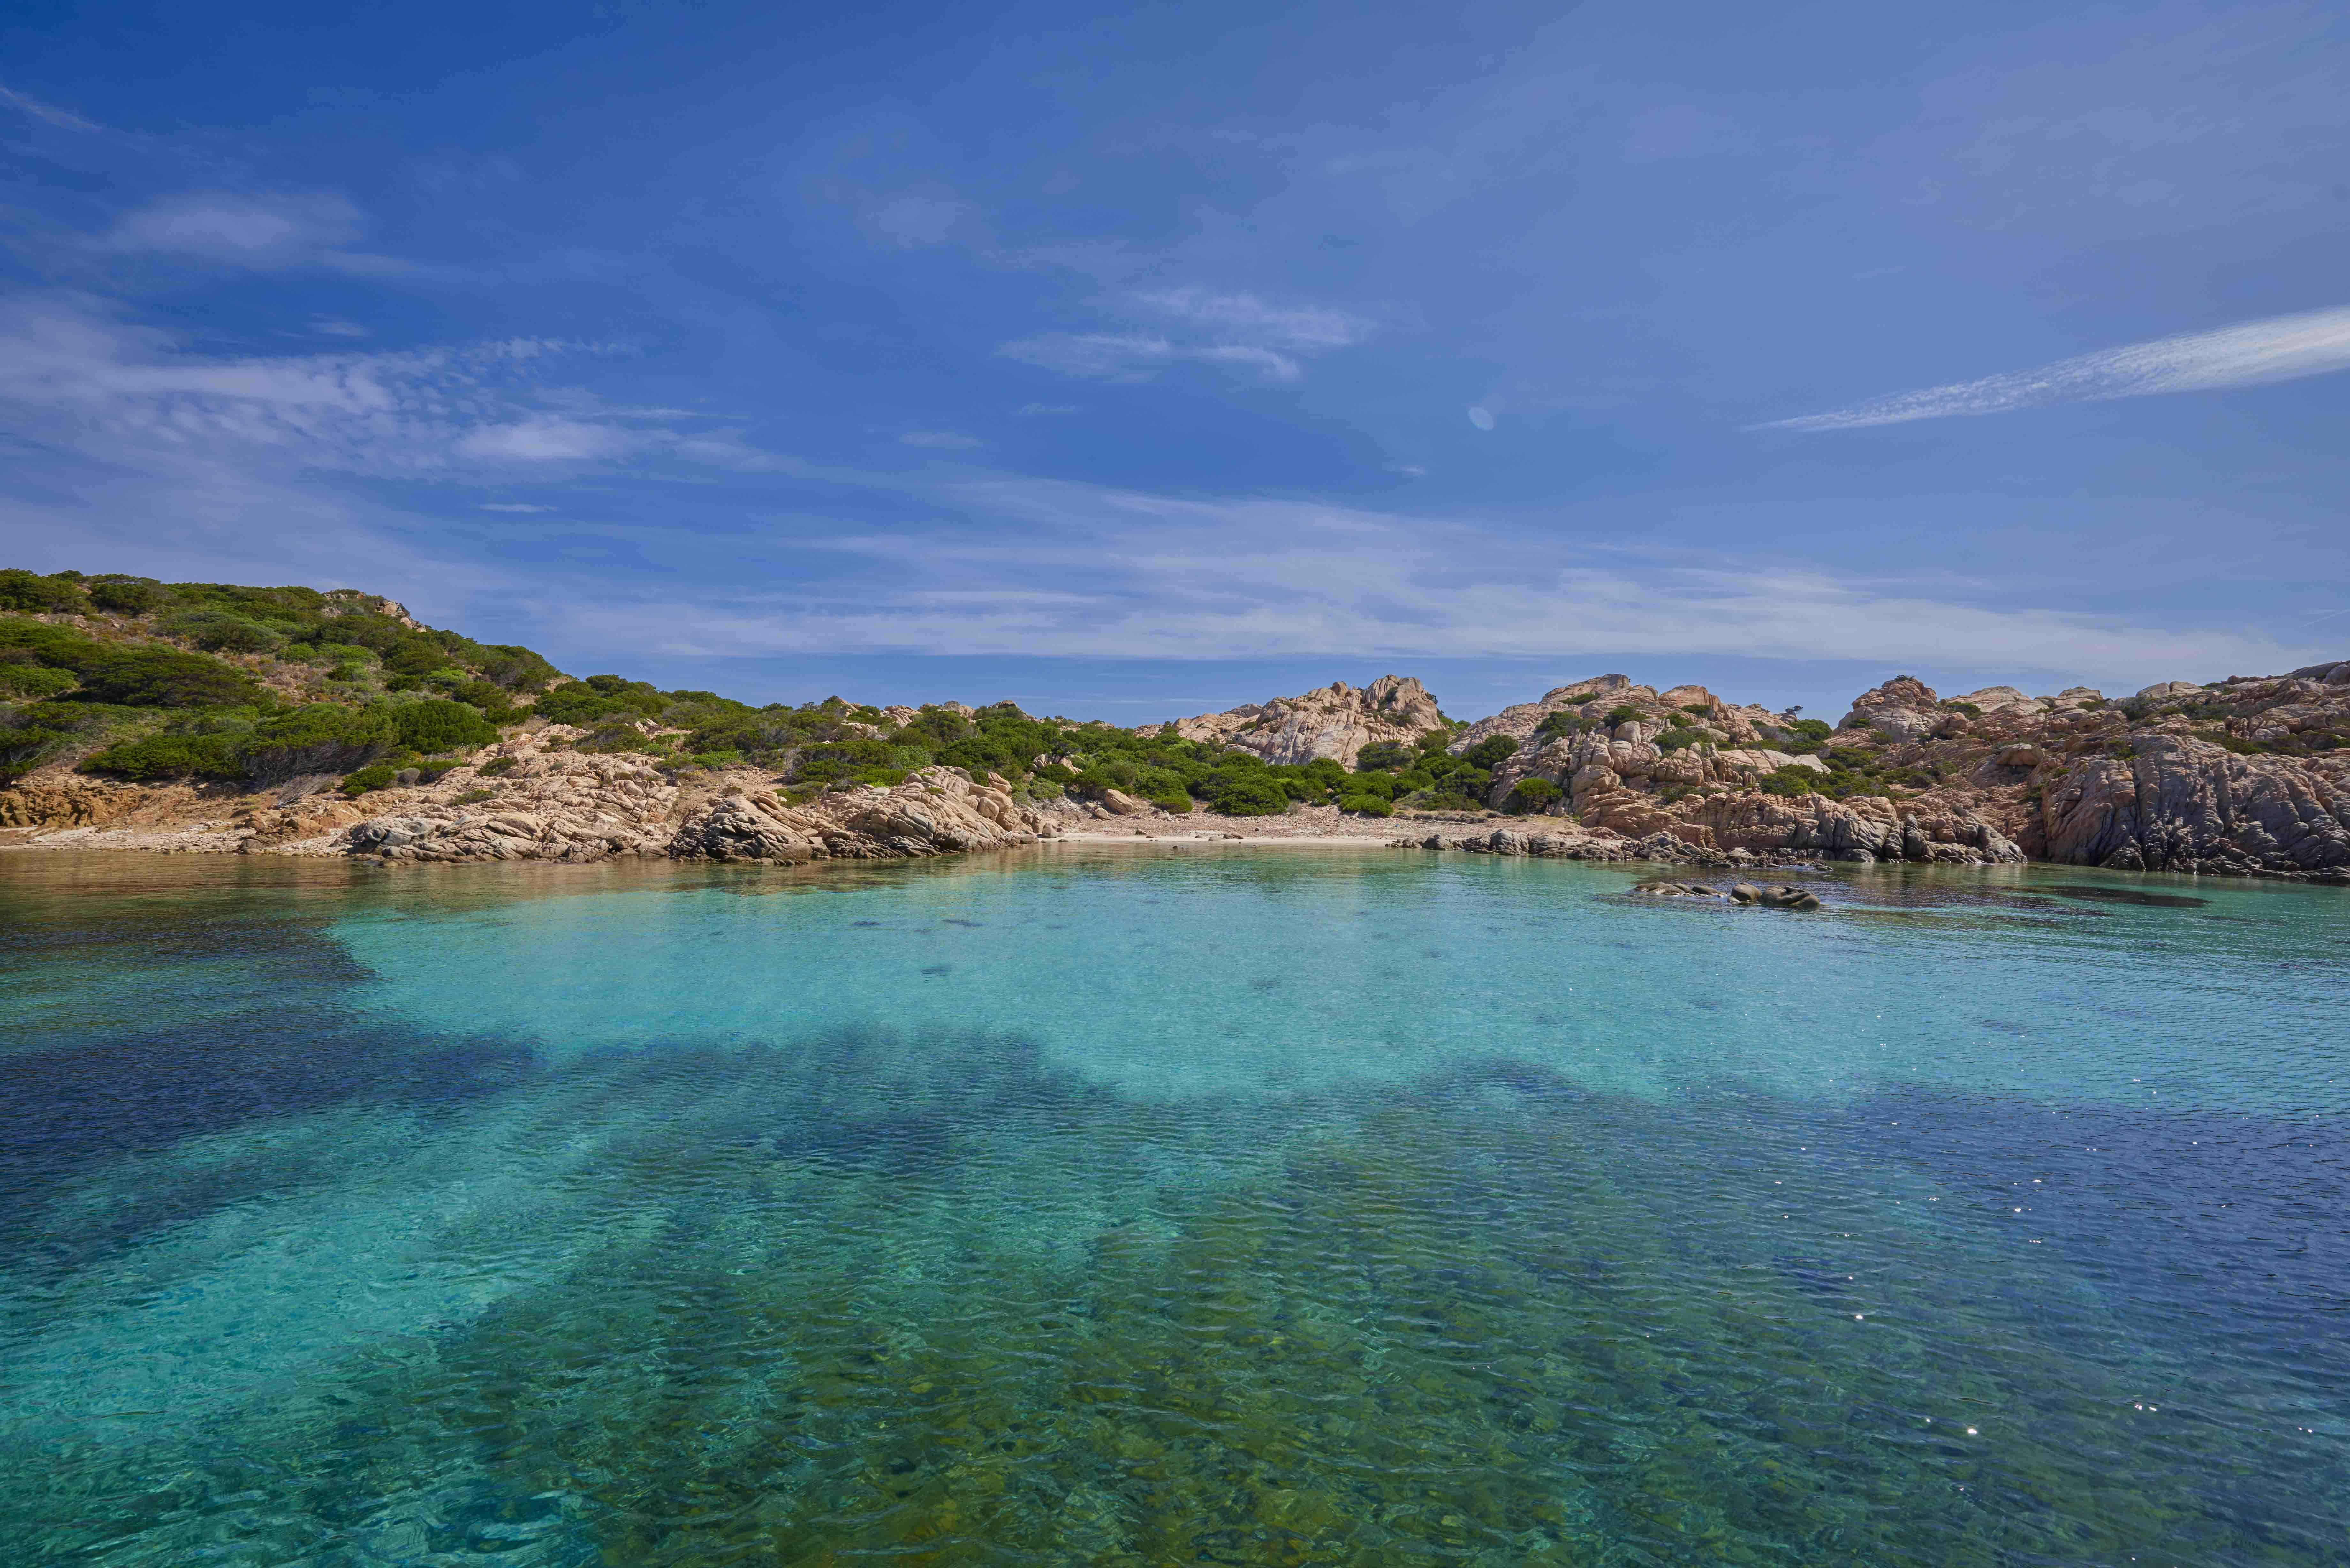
[(1156, 1206)]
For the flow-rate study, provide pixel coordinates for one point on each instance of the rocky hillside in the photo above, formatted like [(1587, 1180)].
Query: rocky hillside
[(137, 713), (1333, 723), (2249, 776)]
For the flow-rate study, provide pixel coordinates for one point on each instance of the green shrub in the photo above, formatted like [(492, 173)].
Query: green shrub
[(1565, 722), (161, 678), (1490, 752), (582, 703), (1244, 793), (1702, 709), (712, 759), (1790, 782), (475, 796), (1392, 754), (316, 738), (438, 724), (1365, 806), (22, 590), (1622, 715), (1176, 805), (125, 595), (513, 668), (1679, 739), (1378, 786), (497, 766), (838, 759), (1969, 709), (170, 757), (1533, 795), (1812, 729), (379, 776), (33, 681), (220, 631)]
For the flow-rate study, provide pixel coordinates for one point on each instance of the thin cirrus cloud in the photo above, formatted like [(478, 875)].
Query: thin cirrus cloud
[(49, 113), (77, 376), (2280, 349), (1093, 572), (1210, 328)]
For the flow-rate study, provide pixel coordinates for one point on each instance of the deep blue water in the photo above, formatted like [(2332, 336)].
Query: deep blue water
[(1159, 1206)]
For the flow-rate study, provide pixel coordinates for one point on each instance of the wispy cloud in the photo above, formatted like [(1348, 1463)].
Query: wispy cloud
[(269, 232), (511, 506), (76, 376), (1220, 329), (947, 440), (1096, 573), (2280, 348), (49, 113)]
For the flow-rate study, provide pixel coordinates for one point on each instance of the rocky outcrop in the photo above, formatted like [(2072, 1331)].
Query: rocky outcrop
[(1903, 709), (2181, 804), (1336, 720), (566, 806), (936, 811), (1777, 895), (67, 802), (1863, 828)]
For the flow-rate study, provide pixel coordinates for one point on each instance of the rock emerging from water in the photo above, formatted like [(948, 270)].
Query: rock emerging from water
[(1779, 895)]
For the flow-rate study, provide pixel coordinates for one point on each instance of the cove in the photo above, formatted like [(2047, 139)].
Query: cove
[(1142, 1207)]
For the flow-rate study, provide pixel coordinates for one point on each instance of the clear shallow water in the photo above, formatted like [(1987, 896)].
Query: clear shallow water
[(1160, 1206)]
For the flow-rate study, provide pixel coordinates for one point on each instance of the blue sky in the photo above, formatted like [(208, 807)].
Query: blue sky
[(1136, 362)]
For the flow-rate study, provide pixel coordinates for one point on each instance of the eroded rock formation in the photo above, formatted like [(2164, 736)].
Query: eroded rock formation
[(1336, 720)]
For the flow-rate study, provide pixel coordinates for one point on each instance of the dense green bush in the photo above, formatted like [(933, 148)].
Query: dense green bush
[(438, 724), (1812, 729), (377, 777), (1790, 781), (220, 631), (1366, 806), (130, 675), (1968, 709), (316, 738), (1677, 739), (28, 678), (1242, 792), (1490, 752), (1533, 795), (1388, 754), (125, 595), (1623, 714), (838, 759), (212, 756), (22, 590)]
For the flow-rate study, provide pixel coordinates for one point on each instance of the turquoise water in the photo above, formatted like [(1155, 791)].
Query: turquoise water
[(1154, 1206)]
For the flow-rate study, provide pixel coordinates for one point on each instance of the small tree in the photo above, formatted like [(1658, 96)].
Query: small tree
[(1533, 795)]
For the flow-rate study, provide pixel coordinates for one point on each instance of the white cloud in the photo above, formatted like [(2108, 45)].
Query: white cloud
[(1245, 318), (75, 376), (1096, 573), (945, 439), (545, 440), (511, 506), (2280, 348), (1241, 329), (265, 232)]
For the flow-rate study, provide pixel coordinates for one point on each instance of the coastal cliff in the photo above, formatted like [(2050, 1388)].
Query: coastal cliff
[(135, 715)]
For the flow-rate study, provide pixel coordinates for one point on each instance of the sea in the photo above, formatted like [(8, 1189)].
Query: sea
[(1158, 1205)]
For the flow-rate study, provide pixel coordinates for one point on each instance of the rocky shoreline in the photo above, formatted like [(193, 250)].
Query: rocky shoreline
[(2249, 776)]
